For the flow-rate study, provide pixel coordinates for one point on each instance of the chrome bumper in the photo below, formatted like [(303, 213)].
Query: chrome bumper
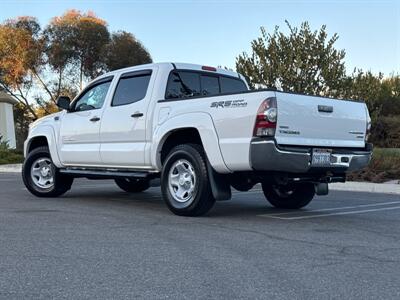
[(266, 156)]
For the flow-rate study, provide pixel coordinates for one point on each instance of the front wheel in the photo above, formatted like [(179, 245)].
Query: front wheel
[(292, 196), (184, 181), (41, 177)]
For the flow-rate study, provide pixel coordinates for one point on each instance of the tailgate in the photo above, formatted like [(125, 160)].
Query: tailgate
[(317, 121)]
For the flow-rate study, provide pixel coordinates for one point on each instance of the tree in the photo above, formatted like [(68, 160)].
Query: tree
[(307, 61), (382, 96), (83, 40), (368, 87), (125, 50), (20, 57), (302, 61), (77, 39), (38, 65)]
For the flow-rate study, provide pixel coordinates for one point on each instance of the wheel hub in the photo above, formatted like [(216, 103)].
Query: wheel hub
[(182, 181), (45, 171), (42, 173)]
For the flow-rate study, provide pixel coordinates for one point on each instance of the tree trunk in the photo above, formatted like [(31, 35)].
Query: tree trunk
[(81, 77)]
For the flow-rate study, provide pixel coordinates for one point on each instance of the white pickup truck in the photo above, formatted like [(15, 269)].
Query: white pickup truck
[(201, 131)]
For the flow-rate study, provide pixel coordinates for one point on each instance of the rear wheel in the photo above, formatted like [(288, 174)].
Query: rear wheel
[(41, 177), (132, 185), (291, 196), (184, 181)]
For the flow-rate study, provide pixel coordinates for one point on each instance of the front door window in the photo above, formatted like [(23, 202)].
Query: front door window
[(93, 98)]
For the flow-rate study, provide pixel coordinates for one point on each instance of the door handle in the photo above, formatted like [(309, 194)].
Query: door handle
[(137, 115), (325, 108), (95, 119)]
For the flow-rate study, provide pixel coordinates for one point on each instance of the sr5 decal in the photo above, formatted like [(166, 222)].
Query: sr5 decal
[(228, 104)]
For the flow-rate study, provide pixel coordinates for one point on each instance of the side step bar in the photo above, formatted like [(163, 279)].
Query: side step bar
[(108, 173)]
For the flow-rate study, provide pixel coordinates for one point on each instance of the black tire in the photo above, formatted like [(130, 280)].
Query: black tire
[(132, 185), (201, 199), (291, 196), (62, 183)]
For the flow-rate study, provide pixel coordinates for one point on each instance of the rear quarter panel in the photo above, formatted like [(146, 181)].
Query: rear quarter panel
[(235, 124), (232, 118)]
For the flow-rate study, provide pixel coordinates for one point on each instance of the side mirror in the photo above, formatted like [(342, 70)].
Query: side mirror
[(64, 102)]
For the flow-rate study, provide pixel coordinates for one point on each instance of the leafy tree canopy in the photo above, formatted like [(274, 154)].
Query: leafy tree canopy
[(303, 61), (77, 39), (125, 50), (37, 65)]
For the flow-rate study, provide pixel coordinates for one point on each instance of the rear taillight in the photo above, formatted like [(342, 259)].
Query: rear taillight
[(266, 118)]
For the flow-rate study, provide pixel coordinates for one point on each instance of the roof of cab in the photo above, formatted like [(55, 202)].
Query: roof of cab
[(200, 68), (184, 66)]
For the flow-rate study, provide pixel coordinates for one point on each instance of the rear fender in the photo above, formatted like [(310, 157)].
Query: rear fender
[(202, 122)]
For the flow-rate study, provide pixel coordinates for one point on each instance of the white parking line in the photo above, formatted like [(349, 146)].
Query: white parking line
[(332, 208), (334, 214)]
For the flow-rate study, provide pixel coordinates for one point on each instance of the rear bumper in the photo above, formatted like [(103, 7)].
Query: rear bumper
[(265, 155)]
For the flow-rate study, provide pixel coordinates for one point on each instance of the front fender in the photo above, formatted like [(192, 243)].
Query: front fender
[(204, 125), (47, 132)]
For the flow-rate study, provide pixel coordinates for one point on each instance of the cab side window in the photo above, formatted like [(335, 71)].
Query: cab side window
[(232, 85), (131, 88), (183, 85), (93, 98), (209, 85)]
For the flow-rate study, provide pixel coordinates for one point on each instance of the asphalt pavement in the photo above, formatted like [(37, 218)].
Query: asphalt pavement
[(98, 242)]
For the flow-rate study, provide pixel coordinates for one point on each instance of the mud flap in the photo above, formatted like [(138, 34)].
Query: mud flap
[(220, 187)]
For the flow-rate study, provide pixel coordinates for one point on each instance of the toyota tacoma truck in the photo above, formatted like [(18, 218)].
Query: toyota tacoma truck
[(201, 131)]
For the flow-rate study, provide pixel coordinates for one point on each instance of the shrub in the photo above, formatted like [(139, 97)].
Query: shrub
[(7, 155), (10, 157), (385, 132), (4, 145), (384, 166)]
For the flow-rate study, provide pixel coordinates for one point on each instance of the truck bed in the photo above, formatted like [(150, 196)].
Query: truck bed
[(302, 120)]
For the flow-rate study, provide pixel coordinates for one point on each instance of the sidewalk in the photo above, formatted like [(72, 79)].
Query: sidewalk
[(14, 168), (392, 187), (386, 188)]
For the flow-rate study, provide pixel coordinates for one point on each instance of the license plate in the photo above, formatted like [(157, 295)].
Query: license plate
[(321, 157)]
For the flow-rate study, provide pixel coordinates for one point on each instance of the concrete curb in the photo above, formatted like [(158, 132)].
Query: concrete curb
[(369, 187), (386, 188), (14, 168)]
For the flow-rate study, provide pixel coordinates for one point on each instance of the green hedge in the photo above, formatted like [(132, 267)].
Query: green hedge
[(10, 157)]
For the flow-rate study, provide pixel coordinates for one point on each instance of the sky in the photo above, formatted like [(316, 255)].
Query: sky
[(216, 32)]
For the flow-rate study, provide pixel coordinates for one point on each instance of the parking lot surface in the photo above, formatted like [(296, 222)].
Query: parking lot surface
[(100, 242)]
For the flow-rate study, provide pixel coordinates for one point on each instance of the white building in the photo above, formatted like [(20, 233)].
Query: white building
[(7, 129)]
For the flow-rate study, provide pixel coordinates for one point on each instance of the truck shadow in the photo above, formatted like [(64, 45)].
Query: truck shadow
[(241, 204)]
